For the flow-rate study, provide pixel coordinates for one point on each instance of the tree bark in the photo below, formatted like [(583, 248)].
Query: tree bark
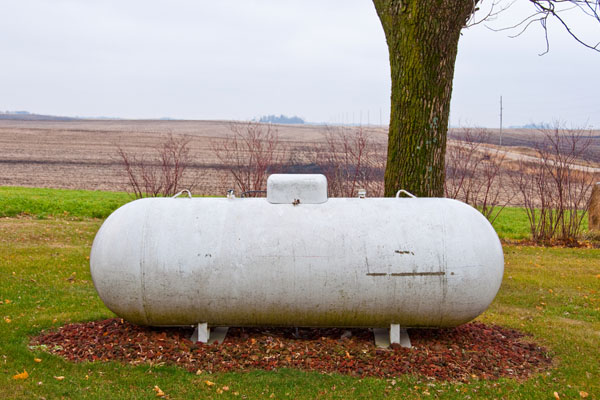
[(594, 209), (422, 38)]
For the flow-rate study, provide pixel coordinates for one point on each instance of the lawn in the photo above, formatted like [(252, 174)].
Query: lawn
[(72, 204), (551, 293), (511, 224)]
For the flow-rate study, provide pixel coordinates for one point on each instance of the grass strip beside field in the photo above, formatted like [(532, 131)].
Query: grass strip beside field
[(63, 203), (41, 203)]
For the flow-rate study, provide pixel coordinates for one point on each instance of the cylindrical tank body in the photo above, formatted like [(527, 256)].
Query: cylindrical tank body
[(426, 262)]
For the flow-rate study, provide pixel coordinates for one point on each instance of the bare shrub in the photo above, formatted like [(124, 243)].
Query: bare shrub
[(559, 152), (161, 174), (493, 194), (351, 160), (555, 189), (532, 184), (250, 154), (462, 160), (474, 173)]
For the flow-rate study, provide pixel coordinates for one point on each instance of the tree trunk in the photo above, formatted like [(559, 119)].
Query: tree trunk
[(594, 209), (422, 37)]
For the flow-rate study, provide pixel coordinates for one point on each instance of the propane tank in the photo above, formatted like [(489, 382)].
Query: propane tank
[(297, 258)]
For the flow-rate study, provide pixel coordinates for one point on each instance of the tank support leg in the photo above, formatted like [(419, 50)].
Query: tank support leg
[(218, 334), (399, 335), (395, 334), (201, 333), (204, 334)]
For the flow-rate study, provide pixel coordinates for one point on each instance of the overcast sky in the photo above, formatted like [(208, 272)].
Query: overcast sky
[(323, 60)]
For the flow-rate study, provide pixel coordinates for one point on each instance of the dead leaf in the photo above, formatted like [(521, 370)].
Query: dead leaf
[(556, 396), (59, 378), (219, 391), (38, 360), (159, 393), (209, 383), (137, 344), (583, 394), (22, 375), (225, 388), (7, 320)]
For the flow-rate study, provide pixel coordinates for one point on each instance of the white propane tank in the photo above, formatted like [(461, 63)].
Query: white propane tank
[(297, 258)]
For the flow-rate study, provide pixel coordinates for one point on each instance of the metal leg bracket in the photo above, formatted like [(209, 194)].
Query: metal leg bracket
[(384, 337), (204, 334)]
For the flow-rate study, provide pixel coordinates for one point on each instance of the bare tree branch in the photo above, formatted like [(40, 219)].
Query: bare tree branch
[(251, 153), (492, 12), (162, 173), (351, 160), (547, 10)]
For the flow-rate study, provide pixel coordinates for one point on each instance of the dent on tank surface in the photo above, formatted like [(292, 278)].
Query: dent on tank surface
[(297, 258)]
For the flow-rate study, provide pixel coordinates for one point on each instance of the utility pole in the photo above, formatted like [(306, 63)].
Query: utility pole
[(501, 121)]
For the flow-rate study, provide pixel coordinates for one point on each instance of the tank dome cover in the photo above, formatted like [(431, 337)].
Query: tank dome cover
[(297, 189)]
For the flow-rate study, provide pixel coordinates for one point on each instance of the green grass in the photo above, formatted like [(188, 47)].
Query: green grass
[(511, 224), (43, 203), (551, 293)]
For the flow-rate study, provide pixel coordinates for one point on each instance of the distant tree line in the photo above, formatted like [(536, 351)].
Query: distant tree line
[(27, 116), (281, 119)]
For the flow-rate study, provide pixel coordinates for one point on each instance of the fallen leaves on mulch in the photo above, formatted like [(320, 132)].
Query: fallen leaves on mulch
[(470, 351)]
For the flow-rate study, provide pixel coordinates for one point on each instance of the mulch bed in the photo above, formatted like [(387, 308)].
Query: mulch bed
[(470, 351)]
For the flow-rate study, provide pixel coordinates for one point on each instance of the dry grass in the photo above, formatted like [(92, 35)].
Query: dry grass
[(83, 154)]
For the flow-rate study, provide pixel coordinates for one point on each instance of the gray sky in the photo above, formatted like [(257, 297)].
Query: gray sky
[(325, 61)]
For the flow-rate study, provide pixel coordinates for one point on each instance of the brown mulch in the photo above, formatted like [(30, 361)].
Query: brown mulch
[(470, 351)]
